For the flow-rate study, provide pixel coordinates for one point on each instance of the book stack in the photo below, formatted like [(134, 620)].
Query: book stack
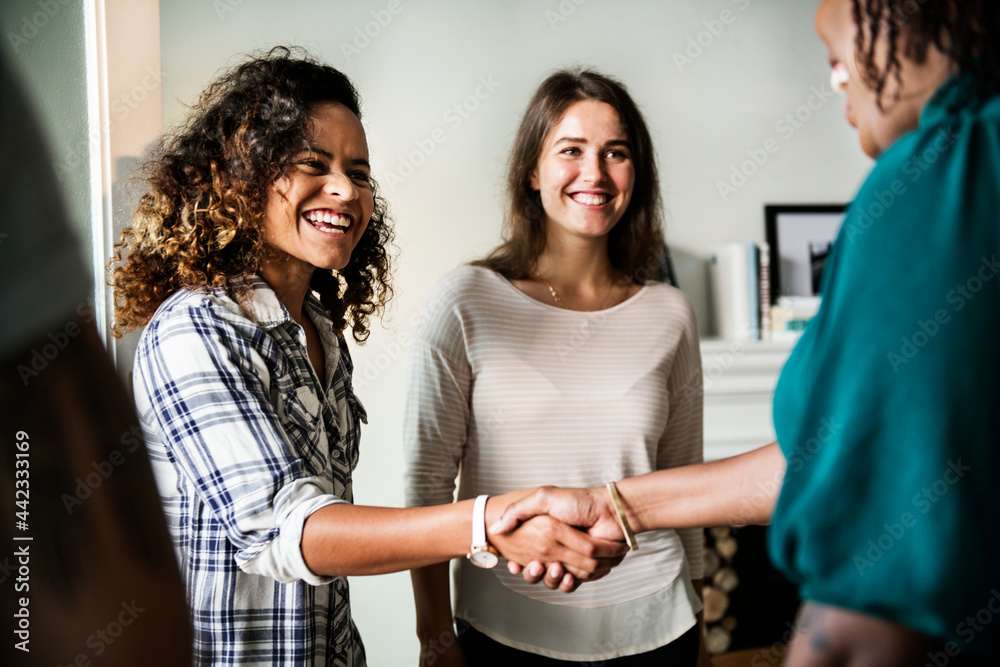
[(791, 314), (741, 290)]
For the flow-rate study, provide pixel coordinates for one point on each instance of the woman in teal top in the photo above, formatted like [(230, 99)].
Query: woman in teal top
[(888, 411)]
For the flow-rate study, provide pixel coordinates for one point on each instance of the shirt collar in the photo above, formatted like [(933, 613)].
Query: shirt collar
[(955, 94), (264, 304), (268, 310)]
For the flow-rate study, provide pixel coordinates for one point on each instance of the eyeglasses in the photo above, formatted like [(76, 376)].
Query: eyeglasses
[(839, 76)]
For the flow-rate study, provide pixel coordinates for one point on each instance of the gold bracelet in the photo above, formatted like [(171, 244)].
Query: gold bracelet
[(622, 521)]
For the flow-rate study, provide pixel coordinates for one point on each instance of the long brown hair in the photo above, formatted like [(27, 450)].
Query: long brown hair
[(200, 222), (636, 242)]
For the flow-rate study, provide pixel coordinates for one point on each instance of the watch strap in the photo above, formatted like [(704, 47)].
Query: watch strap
[(479, 522)]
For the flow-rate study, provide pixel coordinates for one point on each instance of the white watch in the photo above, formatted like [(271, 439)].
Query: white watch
[(481, 554)]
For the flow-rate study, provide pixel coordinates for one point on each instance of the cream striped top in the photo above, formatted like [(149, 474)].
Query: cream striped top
[(516, 393)]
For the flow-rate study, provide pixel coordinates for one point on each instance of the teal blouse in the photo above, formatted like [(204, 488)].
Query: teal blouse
[(888, 410)]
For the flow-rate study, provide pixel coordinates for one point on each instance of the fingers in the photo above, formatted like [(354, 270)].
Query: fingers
[(569, 583), (553, 576), (533, 572), (564, 581), (581, 543), (569, 551), (529, 506), (609, 549), (585, 557)]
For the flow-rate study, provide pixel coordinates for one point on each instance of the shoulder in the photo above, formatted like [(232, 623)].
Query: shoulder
[(928, 186), (198, 304), (671, 301), (463, 300), (466, 280), (465, 288), (947, 146), (202, 316)]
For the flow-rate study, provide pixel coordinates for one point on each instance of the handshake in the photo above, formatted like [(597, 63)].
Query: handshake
[(564, 537)]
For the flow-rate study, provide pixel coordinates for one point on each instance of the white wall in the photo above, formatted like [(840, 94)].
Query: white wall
[(705, 116)]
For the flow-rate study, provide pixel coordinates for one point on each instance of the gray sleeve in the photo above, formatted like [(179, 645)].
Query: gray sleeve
[(436, 419), (44, 282), (682, 442)]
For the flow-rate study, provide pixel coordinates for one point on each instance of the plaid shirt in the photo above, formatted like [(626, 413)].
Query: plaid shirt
[(246, 444)]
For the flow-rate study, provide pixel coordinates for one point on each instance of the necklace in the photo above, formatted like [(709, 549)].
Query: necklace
[(555, 295)]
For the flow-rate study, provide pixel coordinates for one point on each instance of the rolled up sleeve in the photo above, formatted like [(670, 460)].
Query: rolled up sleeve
[(213, 398)]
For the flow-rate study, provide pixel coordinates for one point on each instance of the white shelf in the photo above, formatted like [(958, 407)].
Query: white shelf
[(739, 380)]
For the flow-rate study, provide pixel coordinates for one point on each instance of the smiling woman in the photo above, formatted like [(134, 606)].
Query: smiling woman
[(327, 190), (889, 527), (252, 140), (261, 239), (557, 359)]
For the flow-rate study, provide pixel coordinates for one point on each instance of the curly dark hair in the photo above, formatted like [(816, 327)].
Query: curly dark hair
[(635, 244), (966, 32), (200, 222)]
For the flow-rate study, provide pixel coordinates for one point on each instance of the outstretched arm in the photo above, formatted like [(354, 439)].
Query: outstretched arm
[(735, 491), (347, 539)]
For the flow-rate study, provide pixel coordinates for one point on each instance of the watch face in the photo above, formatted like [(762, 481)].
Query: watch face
[(485, 559)]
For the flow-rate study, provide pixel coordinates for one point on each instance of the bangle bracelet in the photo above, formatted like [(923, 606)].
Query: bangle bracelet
[(622, 521)]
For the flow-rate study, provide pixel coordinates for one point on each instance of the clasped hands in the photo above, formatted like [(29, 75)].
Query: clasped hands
[(561, 537)]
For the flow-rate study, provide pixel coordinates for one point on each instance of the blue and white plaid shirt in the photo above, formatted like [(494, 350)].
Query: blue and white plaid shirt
[(246, 444)]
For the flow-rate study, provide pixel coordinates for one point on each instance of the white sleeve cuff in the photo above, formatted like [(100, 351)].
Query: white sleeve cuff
[(282, 559)]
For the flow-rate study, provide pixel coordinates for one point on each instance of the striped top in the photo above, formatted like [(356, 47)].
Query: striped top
[(518, 393)]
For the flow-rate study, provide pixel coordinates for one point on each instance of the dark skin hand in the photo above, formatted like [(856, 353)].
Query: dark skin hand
[(828, 636)]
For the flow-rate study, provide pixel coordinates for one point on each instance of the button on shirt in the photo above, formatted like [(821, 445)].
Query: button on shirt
[(246, 444)]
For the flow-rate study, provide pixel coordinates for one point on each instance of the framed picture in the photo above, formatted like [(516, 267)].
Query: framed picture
[(800, 236)]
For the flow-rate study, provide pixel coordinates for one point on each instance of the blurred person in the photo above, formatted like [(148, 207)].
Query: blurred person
[(886, 411), (85, 561), (557, 359), (261, 240)]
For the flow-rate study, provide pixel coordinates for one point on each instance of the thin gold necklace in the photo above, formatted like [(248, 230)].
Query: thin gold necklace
[(555, 295)]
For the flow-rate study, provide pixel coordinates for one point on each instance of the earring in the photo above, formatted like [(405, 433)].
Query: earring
[(839, 76)]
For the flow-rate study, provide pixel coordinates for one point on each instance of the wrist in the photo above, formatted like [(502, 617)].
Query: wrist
[(497, 505), (621, 517), (482, 553), (632, 509), (432, 623), (428, 633)]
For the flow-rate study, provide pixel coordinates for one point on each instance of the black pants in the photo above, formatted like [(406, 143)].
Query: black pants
[(481, 651)]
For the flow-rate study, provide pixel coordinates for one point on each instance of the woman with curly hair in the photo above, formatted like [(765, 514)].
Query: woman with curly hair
[(886, 412), (262, 237)]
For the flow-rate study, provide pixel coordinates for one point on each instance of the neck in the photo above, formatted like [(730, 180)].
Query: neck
[(577, 265), (290, 282), (922, 81)]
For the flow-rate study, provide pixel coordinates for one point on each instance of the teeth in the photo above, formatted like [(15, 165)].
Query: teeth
[(336, 231), (590, 200), (328, 218)]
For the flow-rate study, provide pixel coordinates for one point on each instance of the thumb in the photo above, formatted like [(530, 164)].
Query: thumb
[(519, 511), (507, 522)]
